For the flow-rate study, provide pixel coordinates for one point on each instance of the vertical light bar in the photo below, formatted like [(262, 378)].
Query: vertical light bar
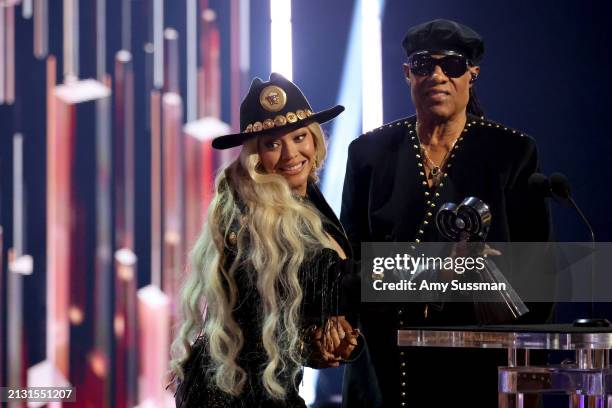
[(281, 50), (245, 45), (2, 301), (2, 54), (18, 225), (124, 142), (235, 37), (349, 125), (148, 79), (19, 265), (104, 240), (158, 43), (154, 329), (171, 61), (41, 28), (202, 62), (26, 9), (209, 74), (245, 23), (15, 283), (126, 24), (213, 84), (100, 39), (10, 55), (68, 208), (71, 39), (58, 238), (371, 64), (172, 168), (173, 192), (201, 163), (192, 64), (125, 327), (156, 191), (56, 245)]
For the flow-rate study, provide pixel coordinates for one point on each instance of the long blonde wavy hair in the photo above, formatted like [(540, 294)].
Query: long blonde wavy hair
[(278, 233)]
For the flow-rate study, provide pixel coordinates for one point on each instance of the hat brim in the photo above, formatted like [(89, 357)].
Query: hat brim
[(236, 139)]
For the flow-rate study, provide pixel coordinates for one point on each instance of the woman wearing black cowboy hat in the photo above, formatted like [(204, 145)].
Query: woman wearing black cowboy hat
[(263, 298)]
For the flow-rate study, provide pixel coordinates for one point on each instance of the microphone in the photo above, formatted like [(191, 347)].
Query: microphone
[(540, 184), (558, 187)]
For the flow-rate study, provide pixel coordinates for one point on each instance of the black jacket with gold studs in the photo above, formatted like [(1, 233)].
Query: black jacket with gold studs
[(386, 198)]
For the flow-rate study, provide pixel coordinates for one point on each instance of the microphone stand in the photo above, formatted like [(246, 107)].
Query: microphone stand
[(591, 321)]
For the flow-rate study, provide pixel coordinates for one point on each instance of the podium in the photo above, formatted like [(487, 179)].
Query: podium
[(587, 380)]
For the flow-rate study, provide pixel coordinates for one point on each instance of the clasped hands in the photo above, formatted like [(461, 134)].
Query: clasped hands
[(333, 343)]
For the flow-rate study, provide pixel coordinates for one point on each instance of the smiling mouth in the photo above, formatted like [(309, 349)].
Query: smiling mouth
[(293, 168), (434, 93)]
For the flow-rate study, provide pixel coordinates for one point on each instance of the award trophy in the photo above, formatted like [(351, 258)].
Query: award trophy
[(470, 222)]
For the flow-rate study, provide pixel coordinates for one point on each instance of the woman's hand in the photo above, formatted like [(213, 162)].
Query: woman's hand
[(321, 356), (337, 338)]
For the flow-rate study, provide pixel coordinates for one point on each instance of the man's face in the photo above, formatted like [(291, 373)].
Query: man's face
[(438, 94)]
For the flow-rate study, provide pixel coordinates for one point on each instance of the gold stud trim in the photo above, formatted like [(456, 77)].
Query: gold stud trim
[(268, 124), (278, 121), (291, 117)]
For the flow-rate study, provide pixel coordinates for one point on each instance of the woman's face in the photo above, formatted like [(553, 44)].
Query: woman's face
[(291, 155)]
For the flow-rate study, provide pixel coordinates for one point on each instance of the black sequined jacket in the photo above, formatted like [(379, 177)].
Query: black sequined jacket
[(322, 276)]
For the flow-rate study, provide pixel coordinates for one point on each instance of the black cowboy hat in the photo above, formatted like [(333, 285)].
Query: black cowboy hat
[(272, 106)]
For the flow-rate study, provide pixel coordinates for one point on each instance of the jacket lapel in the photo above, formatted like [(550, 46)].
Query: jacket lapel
[(317, 198), (396, 195)]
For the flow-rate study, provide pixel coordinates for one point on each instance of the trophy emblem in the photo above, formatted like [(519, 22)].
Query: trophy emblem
[(470, 222)]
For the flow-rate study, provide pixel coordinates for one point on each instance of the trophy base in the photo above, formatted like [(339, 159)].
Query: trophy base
[(591, 322)]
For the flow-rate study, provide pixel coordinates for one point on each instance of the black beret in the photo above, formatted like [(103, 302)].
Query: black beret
[(444, 35)]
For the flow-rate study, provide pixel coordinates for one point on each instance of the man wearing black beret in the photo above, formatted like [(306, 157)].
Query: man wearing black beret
[(397, 177)]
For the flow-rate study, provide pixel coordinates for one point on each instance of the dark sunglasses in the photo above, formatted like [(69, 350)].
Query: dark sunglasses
[(453, 65)]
